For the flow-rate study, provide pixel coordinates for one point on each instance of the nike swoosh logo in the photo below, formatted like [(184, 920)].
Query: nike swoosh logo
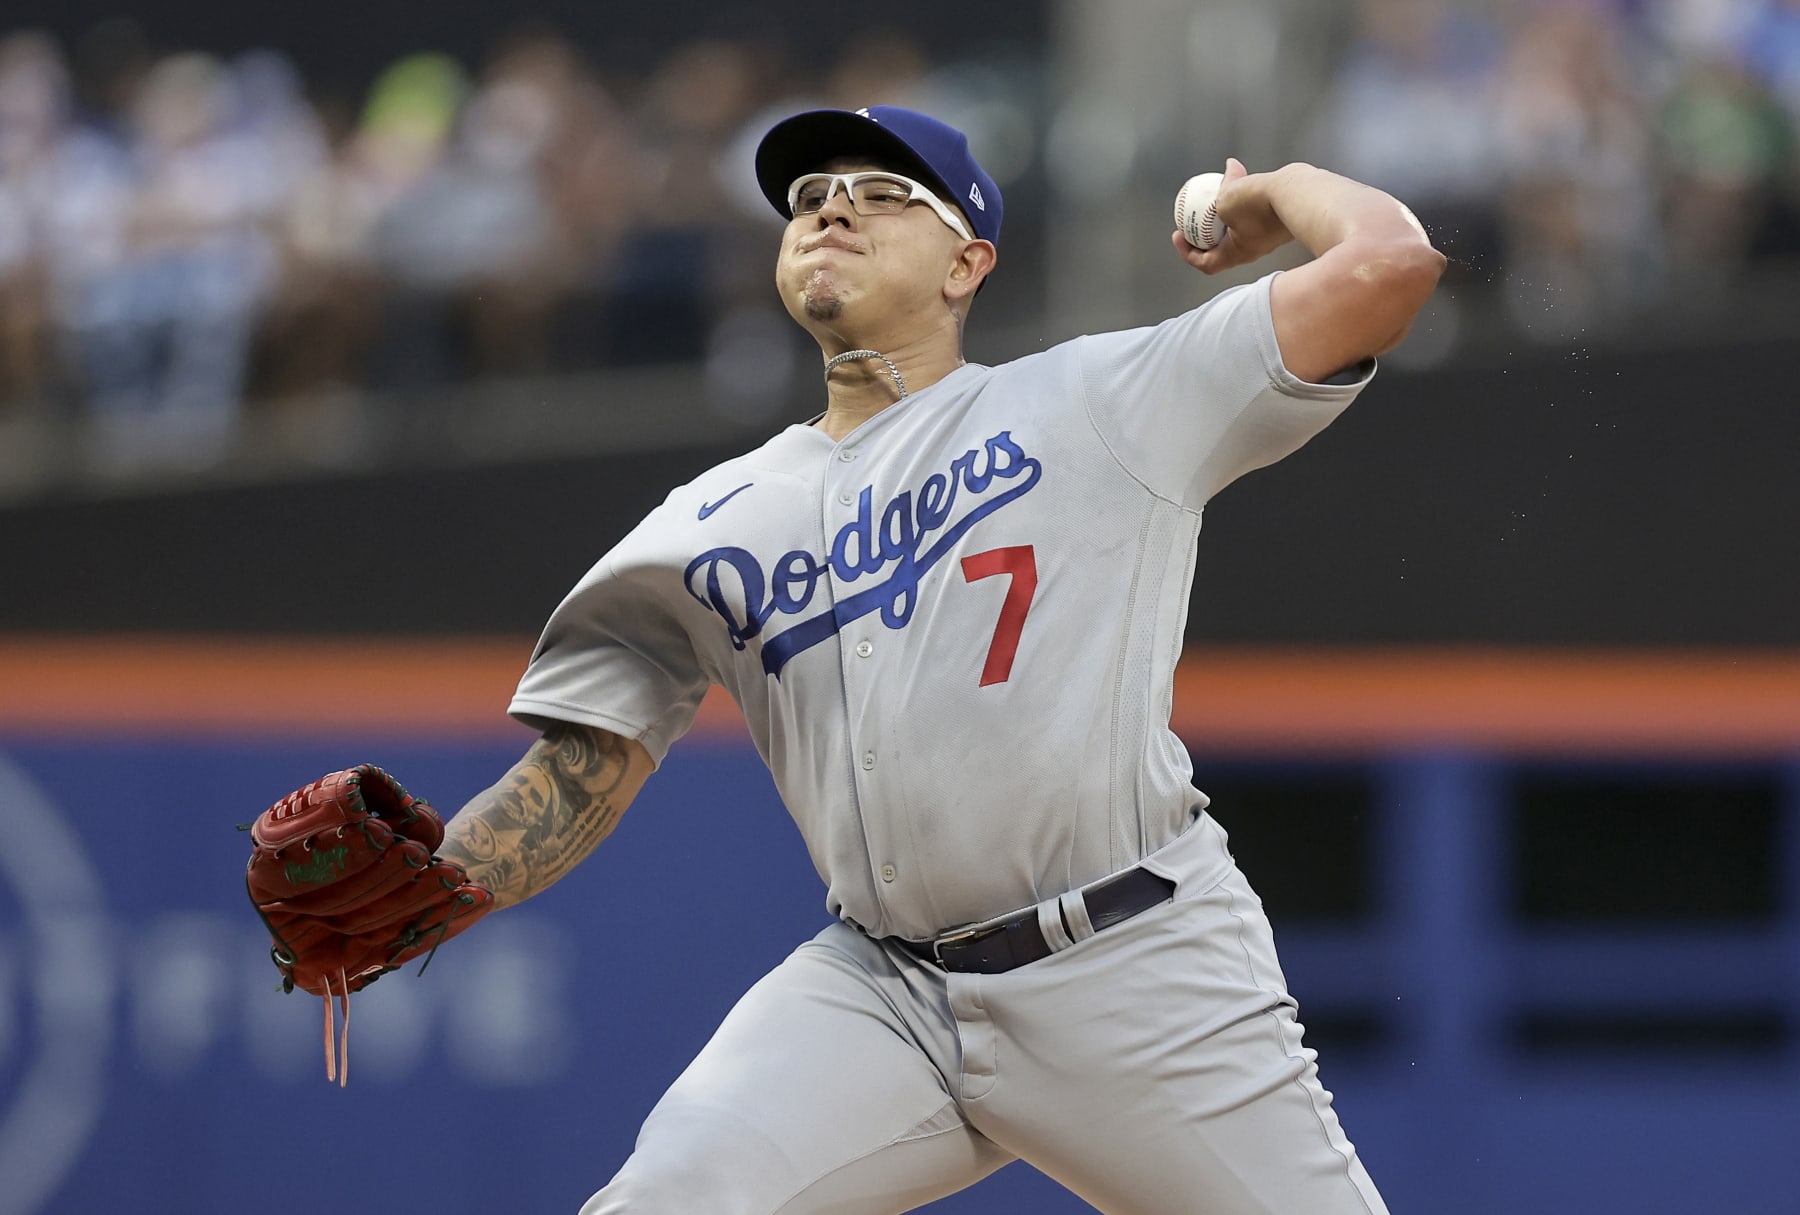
[(707, 508)]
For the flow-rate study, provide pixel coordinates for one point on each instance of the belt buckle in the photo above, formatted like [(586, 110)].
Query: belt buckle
[(955, 938)]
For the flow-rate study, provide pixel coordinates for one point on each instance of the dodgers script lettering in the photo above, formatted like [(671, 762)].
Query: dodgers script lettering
[(897, 544)]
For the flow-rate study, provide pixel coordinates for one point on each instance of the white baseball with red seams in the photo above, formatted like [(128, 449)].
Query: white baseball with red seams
[(1196, 210)]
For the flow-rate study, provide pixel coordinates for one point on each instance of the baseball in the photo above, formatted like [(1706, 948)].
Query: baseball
[(1195, 211)]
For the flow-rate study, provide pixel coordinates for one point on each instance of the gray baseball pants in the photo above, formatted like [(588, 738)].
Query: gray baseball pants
[(1155, 1068)]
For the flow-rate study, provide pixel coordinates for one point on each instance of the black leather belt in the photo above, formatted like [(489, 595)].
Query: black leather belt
[(998, 948)]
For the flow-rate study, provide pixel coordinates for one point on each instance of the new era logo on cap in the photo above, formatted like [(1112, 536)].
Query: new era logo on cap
[(975, 195)]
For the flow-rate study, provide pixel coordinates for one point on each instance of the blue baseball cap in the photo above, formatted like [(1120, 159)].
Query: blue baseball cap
[(910, 142)]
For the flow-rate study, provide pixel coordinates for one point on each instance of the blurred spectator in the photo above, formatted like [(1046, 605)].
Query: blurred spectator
[(395, 161), (531, 184), (163, 330), (1581, 237), (1772, 49), (1412, 111), (1725, 144), (321, 316), (327, 314), (685, 251), (589, 173), (111, 60), (34, 106), (882, 66)]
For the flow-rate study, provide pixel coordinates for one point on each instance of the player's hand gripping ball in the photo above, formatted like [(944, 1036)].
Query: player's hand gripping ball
[(1197, 210)]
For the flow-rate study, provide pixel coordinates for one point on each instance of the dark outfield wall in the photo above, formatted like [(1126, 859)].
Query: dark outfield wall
[(1565, 498)]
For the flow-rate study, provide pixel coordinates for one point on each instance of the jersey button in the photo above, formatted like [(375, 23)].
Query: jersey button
[(864, 648), (846, 455), (846, 499), (868, 760), (887, 873)]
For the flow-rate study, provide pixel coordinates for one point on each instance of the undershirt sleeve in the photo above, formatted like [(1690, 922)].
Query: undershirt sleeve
[(1190, 405)]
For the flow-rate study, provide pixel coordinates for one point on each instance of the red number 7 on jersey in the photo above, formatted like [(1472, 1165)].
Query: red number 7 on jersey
[(1022, 565)]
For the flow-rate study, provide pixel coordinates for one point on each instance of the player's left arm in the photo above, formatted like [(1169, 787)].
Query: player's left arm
[(1373, 266), (546, 815)]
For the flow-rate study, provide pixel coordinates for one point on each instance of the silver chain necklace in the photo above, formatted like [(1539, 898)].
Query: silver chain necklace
[(867, 354)]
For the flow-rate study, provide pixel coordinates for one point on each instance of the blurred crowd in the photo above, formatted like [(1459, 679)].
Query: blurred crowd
[(1594, 158), (182, 233)]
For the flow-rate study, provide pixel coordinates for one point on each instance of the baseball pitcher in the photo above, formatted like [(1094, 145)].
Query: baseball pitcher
[(950, 607)]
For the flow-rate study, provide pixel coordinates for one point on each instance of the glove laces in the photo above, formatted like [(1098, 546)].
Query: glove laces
[(337, 1037), (337, 1062)]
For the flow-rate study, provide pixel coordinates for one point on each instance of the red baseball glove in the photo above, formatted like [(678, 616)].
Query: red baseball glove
[(343, 873)]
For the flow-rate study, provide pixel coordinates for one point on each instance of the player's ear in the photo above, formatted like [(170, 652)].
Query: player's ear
[(973, 264)]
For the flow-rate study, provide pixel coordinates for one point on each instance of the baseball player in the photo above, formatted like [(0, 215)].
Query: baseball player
[(950, 608)]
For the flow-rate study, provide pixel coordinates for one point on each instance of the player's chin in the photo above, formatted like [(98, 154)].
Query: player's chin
[(822, 308), (815, 294)]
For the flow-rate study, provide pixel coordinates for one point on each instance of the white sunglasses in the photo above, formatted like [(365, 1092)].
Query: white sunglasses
[(869, 194)]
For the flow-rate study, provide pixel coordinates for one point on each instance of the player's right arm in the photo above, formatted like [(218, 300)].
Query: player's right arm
[(549, 812), (1373, 266)]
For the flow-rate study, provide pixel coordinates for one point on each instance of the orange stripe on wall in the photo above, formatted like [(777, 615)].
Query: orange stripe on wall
[(1282, 701), (1723, 702), (257, 687)]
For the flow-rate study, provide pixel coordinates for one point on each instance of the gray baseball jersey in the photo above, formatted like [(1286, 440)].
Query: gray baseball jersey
[(953, 634)]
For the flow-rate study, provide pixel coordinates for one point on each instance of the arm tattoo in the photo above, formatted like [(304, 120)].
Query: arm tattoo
[(545, 815)]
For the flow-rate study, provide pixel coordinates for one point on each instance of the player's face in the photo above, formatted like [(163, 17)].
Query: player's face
[(836, 260)]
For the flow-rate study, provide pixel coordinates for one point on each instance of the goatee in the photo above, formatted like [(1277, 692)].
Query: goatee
[(821, 298)]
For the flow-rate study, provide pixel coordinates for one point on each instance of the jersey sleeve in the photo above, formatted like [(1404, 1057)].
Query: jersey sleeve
[(1192, 404), (615, 655)]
